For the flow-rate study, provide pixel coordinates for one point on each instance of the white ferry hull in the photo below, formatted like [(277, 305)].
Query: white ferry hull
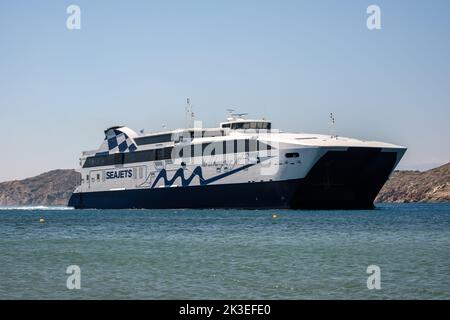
[(345, 179)]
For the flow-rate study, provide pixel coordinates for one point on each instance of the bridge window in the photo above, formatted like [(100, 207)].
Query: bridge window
[(248, 125)]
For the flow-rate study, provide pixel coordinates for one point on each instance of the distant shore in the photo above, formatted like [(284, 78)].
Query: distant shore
[(415, 186), (54, 188)]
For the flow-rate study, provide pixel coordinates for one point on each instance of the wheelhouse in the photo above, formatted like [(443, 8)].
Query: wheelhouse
[(243, 124)]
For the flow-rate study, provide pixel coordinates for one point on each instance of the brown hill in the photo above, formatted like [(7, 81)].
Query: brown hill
[(415, 186), (48, 189)]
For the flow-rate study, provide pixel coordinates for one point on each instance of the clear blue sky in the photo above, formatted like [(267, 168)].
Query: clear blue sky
[(135, 62)]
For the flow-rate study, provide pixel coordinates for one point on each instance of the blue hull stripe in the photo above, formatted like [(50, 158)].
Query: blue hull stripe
[(197, 172)]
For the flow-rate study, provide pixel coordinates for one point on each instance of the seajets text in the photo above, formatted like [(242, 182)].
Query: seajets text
[(119, 174)]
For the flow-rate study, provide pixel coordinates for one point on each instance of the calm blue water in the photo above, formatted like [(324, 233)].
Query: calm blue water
[(226, 254)]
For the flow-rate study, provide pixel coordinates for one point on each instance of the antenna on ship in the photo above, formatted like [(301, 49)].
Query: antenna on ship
[(332, 127), (189, 114)]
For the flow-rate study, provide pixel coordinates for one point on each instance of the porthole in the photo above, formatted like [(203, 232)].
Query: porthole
[(292, 155)]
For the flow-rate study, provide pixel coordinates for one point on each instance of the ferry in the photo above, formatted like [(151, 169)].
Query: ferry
[(242, 163)]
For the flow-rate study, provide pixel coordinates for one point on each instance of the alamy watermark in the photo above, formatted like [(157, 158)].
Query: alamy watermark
[(255, 147), (73, 22), (374, 20), (374, 280), (74, 278)]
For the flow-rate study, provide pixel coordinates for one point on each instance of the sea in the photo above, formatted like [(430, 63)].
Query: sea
[(396, 251)]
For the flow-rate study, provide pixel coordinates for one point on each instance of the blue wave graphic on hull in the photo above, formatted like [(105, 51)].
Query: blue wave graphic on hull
[(197, 172)]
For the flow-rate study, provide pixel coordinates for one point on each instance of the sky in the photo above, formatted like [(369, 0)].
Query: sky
[(134, 63)]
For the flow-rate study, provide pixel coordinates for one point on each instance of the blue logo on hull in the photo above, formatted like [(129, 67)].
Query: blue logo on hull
[(197, 172)]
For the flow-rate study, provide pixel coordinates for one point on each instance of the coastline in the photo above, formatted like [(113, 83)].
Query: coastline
[(54, 188)]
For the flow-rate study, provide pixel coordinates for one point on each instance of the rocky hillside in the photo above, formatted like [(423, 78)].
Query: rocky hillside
[(48, 189), (55, 187), (415, 186)]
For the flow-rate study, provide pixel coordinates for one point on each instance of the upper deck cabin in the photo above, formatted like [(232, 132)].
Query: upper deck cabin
[(171, 138), (238, 123)]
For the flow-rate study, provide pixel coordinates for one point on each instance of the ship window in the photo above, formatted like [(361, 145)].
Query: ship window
[(154, 139), (98, 177), (240, 146), (118, 158), (252, 145), (159, 154), (99, 161), (260, 146), (260, 125), (167, 153), (226, 125), (292, 155), (237, 126), (197, 150), (229, 147), (249, 125), (213, 133), (223, 147)]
